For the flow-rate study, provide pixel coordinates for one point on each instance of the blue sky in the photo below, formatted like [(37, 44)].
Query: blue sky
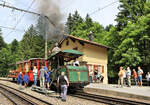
[(9, 17)]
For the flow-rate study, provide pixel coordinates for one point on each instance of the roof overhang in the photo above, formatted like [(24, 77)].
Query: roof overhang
[(82, 40), (67, 54)]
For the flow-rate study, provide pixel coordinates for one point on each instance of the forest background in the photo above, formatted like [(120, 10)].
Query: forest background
[(129, 39)]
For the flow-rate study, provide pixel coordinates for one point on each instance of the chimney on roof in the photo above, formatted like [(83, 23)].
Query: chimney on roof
[(91, 36)]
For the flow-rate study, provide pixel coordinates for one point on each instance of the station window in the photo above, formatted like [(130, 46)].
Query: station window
[(67, 42)]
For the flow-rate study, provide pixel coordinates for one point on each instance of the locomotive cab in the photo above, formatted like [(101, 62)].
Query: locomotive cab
[(62, 62)]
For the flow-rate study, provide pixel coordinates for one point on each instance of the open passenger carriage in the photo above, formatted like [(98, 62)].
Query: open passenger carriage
[(27, 66)]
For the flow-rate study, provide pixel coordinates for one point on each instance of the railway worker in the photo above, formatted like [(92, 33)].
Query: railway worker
[(20, 79), (41, 77), (35, 75), (140, 72), (128, 77), (26, 80), (135, 76), (120, 74), (148, 78), (63, 82)]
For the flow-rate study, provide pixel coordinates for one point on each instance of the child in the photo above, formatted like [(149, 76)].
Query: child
[(26, 80)]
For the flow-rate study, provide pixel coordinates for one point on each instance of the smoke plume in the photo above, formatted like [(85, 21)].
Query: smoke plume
[(52, 25)]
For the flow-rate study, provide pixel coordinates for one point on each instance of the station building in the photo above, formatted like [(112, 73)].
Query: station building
[(95, 55)]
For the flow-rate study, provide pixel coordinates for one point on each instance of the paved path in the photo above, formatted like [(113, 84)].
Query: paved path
[(143, 91)]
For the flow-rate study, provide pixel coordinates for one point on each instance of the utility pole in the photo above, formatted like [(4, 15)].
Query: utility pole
[(30, 12), (46, 42)]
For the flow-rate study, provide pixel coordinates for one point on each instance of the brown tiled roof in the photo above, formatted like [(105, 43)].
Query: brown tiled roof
[(82, 40)]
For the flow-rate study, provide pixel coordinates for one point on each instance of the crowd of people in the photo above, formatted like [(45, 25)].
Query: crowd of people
[(95, 76), (126, 75), (44, 77)]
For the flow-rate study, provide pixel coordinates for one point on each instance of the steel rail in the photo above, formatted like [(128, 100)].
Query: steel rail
[(8, 98), (42, 101), (8, 94), (107, 99)]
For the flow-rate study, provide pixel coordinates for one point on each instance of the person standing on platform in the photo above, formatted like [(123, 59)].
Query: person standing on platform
[(35, 75), (95, 75), (128, 77), (26, 80), (20, 80), (91, 76), (47, 78), (135, 76), (98, 76), (120, 74), (63, 82), (148, 78), (124, 77), (140, 72), (41, 77)]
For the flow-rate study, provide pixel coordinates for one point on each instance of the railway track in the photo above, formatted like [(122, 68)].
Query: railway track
[(106, 99), (18, 97)]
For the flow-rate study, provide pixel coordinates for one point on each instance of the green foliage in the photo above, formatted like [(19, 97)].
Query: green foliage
[(130, 10), (32, 44), (2, 43), (5, 60), (80, 27), (129, 39), (14, 46), (69, 23)]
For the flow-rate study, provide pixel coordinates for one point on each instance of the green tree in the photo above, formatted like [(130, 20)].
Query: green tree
[(130, 10), (88, 21), (134, 49), (32, 44), (5, 60), (77, 20), (41, 26), (2, 43), (14, 46), (69, 24)]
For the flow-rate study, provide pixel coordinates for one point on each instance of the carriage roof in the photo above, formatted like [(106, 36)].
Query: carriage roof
[(19, 62)]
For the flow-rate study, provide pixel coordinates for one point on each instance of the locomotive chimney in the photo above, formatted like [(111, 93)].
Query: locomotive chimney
[(91, 36)]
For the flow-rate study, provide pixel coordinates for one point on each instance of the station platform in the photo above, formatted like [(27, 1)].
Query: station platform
[(133, 92)]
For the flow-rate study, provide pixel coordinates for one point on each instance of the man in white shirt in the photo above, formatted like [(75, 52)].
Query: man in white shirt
[(148, 78), (140, 72), (129, 77)]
